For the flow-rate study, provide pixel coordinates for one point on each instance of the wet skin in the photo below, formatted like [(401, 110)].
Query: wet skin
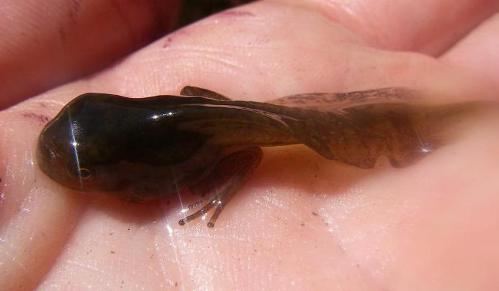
[(141, 149)]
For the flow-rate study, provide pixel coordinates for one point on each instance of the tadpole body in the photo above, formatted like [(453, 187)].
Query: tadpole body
[(141, 149)]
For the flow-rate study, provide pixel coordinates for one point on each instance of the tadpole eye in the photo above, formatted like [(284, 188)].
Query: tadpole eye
[(85, 173), (82, 173)]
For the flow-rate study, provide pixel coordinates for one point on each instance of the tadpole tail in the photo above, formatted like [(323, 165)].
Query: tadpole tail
[(359, 127), (360, 135)]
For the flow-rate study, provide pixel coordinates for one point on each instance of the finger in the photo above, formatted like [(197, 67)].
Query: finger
[(478, 53), (427, 26), (41, 46), (257, 51)]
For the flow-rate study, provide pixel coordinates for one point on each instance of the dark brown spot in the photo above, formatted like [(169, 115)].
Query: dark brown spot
[(167, 42), (40, 118), (174, 37), (112, 252), (315, 213)]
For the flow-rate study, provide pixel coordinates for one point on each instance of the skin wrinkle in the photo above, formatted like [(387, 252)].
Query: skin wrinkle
[(366, 274), (163, 263), (216, 56), (177, 261), (236, 13), (74, 9), (483, 62), (73, 14), (63, 242), (369, 19), (116, 4), (11, 204)]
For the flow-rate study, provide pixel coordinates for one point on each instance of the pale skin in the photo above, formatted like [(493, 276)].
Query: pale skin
[(300, 222)]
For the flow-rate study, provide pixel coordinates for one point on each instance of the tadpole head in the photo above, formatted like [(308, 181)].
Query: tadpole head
[(58, 152)]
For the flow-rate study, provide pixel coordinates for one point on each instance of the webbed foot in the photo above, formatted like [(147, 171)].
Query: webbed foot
[(232, 171)]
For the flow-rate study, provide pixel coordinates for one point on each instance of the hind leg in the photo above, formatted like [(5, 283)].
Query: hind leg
[(227, 177)]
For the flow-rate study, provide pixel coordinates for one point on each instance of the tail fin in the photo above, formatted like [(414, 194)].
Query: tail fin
[(358, 133), (359, 136)]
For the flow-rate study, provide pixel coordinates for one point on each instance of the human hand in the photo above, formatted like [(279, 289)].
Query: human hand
[(301, 222)]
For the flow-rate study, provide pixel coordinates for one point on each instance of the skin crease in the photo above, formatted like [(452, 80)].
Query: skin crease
[(301, 222)]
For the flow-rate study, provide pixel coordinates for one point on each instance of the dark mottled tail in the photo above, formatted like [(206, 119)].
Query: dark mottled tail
[(359, 127)]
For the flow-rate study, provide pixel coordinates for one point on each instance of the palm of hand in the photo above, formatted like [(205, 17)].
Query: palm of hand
[(301, 221)]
